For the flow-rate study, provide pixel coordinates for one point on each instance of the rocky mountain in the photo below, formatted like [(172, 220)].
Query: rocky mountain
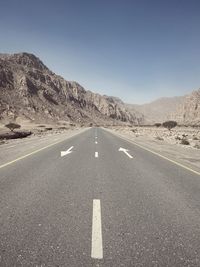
[(158, 110), (188, 112), (28, 89), (183, 109)]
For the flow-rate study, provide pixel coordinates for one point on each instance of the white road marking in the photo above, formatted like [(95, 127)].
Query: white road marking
[(97, 247), (95, 137), (96, 154), (68, 151), (96, 142), (40, 149), (155, 153), (125, 151)]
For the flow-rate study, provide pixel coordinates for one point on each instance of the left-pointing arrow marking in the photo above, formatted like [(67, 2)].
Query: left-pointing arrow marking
[(125, 151), (68, 151)]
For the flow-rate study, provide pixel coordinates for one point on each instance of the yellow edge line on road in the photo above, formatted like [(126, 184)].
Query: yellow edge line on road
[(34, 152), (159, 155)]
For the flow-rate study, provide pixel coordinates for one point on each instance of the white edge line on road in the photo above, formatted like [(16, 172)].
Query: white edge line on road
[(157, 154), (36, 151), (97, 246), (27, 155), (96, 155)]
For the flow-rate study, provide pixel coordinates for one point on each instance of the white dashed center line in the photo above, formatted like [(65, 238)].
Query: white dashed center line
[(97, 247), (96, 142), (96, 155)]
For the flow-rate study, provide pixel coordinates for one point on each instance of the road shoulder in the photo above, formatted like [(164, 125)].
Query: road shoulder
[(184, 157)]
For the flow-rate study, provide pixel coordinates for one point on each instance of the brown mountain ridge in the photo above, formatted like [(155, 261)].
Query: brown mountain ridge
[(183, 109), (28, 89)]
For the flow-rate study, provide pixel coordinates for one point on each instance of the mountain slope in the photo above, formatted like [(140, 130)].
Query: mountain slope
[(29, 89), (184, 109), (158, 110), (188, 111)]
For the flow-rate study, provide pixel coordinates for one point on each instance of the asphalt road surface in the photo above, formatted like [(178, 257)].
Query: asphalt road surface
[(98, 204)]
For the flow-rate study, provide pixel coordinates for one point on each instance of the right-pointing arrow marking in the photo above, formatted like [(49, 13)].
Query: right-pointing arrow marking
[(125, 151)]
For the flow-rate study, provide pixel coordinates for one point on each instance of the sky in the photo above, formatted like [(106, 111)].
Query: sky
[(138, 50)]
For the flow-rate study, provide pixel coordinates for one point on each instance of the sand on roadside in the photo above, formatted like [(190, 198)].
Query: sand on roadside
[(167, 143)]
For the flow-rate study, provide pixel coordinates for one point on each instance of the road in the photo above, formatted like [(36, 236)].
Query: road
[(104, 202)]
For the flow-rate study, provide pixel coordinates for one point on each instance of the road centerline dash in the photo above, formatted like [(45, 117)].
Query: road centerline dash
[(97, 247), (96, 154)]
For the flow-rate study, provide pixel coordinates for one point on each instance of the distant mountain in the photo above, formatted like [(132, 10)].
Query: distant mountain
[(158, 110), (188, 112), (28, 89), (184, 109)]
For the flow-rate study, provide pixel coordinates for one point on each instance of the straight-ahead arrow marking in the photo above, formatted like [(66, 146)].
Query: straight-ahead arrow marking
[(68, 151), (125, 151)]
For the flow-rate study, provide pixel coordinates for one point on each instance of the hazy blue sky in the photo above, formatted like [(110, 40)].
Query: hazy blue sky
[(136, 50)]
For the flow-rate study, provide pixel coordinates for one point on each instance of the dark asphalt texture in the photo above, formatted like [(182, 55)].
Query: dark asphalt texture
[(150, 207)]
